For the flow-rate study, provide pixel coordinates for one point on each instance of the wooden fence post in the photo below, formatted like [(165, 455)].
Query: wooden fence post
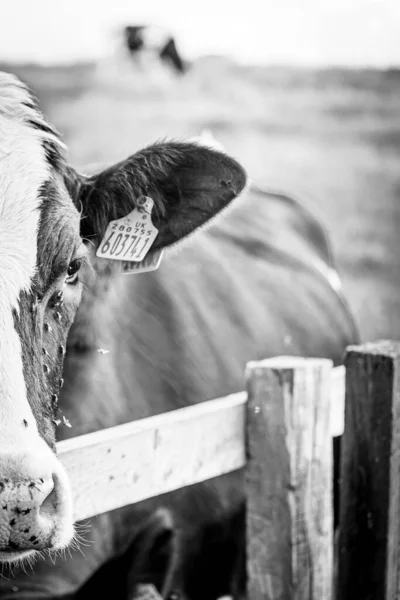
[(369, 552), (289, 516)]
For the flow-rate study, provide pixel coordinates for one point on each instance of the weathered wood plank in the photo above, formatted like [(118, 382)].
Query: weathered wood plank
[(369, 537), (125, 464), (289, 480)]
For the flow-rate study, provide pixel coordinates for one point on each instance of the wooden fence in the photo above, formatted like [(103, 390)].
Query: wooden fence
[(281, 430)]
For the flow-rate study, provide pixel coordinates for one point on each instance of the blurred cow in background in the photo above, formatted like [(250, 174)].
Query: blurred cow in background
[(153, 41)]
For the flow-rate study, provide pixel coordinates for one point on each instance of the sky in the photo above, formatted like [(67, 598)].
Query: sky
[(298, 32)]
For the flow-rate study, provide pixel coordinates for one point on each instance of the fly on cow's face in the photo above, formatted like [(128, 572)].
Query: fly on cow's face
[(54, 401), (58, 299)]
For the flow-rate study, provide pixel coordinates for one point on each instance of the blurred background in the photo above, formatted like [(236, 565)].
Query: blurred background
[(306, 94)]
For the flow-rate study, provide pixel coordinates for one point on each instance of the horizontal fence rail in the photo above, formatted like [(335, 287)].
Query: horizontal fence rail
[(128, 463), (122, 465)]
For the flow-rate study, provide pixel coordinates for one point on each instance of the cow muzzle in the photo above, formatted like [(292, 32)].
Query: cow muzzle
[(35, 504)]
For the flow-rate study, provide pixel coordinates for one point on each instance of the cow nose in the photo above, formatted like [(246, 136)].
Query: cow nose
[(35, 512)]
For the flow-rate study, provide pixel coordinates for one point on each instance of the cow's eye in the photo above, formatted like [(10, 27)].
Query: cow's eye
[(73, 271)]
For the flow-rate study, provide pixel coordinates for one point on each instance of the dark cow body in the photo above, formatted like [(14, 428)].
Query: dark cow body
[(150, 555), (248, 287), (138, 39)]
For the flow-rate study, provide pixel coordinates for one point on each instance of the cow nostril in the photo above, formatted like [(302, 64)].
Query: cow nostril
[(49, 504)]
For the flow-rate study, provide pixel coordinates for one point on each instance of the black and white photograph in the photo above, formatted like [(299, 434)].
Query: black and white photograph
[(200, 300)]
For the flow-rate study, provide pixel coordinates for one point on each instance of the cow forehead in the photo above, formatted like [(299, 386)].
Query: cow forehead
[(24, 168), (22, 172)]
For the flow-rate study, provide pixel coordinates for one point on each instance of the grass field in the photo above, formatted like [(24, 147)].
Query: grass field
[(330, 137)]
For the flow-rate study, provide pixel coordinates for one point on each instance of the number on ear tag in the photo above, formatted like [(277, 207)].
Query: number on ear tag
[(129, 239), (151, 262)]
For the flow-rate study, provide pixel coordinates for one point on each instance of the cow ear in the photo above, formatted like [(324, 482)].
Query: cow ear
[(188, 183)]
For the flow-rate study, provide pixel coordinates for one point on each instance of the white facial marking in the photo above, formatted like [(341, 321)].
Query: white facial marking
[(24, 455), (23, 169)]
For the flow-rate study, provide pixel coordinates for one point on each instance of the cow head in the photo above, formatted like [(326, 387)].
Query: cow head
[(46, 211)]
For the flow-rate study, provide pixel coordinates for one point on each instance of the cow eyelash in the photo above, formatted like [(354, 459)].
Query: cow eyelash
[(73, 271)]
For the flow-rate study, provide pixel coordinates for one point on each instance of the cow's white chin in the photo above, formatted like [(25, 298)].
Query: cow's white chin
[(16, 556)]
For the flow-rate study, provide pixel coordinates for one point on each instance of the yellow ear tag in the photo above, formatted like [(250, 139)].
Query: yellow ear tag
[(130, 238)]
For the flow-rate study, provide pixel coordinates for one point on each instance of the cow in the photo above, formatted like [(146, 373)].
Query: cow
[(140, 39), (174, 328)]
